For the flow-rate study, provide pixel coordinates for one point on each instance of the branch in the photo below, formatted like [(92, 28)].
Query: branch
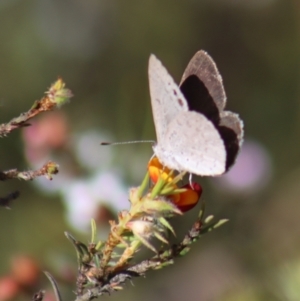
[(56, 96), (5, 201), (164, 258), (48, 170)]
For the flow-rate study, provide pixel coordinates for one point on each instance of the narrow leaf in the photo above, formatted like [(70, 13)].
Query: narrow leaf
[(54, 286)]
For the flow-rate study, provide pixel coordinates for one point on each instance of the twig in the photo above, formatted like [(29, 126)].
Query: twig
[(39, 296), (164, 258), (5, 201), (46, 170), (55, 97)]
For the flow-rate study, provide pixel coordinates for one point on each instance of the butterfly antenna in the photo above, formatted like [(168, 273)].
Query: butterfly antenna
[(127, 142)]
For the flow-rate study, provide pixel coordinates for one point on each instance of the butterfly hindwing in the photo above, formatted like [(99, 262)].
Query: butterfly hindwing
[(195, 144)]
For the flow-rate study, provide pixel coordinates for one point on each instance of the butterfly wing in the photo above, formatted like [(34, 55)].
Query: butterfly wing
[(202, 86), (193, 144), (231, 129), (166, 98), (233, 121), (201, 139), (203, 66)]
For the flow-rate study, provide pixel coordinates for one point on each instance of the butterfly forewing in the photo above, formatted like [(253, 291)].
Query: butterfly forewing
[(166, 98), (203, 66)]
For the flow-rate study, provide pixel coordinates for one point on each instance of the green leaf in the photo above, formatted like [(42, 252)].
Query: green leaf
[(54, 286), (94, 230), (83, 254), (213, 226), (159, 206), (166, 224), (144, 185), (208, 219), (160, 237), (145, 242)]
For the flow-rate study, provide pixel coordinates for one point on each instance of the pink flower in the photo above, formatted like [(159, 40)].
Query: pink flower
[(250, 173)]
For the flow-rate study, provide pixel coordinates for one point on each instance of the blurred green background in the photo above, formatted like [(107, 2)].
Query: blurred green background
[(101, 48)]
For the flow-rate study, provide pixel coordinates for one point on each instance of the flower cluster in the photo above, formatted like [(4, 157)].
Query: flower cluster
[(189, 194), (152, 206)]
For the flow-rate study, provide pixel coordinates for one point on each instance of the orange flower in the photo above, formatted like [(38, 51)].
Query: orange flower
[(156, 171), (188, 199), (185, 200)]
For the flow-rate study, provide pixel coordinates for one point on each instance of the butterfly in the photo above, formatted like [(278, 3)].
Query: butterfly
[(194, 132)]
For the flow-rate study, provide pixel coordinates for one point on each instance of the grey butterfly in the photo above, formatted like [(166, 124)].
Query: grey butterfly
[(194, 133)]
